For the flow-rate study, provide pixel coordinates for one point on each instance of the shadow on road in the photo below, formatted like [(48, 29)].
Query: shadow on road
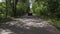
[(18, 27), (21, 30)]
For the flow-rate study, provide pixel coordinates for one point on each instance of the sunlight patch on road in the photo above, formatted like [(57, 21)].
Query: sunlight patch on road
[(24, 22), (7, 31), (31, 24)]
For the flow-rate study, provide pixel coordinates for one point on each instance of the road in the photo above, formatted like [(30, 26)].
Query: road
[(28, 25)]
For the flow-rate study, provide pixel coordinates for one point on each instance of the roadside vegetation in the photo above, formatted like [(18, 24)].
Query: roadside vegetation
[(13, 8), (46, 9)]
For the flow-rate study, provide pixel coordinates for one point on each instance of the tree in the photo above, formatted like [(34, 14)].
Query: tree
[(14, 6), (6, 9)]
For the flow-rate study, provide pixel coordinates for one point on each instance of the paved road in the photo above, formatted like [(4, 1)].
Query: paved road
[(28, 25)]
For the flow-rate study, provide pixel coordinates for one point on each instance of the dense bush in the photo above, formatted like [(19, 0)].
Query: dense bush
[(40, 8), (8, 8), (50, 8), (22, 9)]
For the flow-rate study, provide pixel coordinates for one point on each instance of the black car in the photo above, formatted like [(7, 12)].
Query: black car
[(30, 14)]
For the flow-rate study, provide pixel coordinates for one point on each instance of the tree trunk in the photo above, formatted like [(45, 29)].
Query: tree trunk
[(14, 7), (6, 9)]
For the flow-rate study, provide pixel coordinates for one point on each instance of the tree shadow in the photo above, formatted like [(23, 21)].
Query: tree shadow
[(22, 30)]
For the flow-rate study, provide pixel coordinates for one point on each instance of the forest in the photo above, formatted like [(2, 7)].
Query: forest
[(45, 9)]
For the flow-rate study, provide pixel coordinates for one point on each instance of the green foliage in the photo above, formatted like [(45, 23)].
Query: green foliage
[(6, 8), (22, 8), (40, 9), (50, 8), (2, 11), (2, 16)]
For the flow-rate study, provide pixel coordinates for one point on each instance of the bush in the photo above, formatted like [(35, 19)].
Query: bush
[(21, 9)]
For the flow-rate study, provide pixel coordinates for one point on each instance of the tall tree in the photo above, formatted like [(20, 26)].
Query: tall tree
[(6, 8), (14, 7)]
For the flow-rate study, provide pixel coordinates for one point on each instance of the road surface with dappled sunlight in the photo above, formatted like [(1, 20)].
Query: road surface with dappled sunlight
[(28, 25)]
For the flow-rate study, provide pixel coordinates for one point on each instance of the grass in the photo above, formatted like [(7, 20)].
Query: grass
[(54, 21), (5, 20)]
